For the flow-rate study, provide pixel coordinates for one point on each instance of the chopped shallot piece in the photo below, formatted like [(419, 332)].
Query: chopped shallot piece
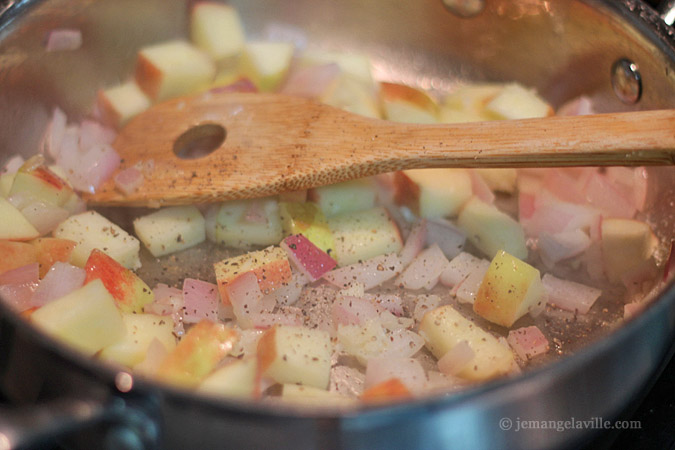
[(288, 293), (564, 186), (456, 359), (557, 247), (246, 297), (168, 302), (310, 81), (425, 270), (17, 286), (391, 302), (93, 133), (480, 188), (604, 195), (13, 164), (408, 371), (45, 217), (63, 39), (460, 267), (61, 279), (449, 238), (556, 217), (579, 106), (415, 242), (466, 290), (403, 344), (266, 320), (307, 257), (633, 308), (424, 304), (200, 301), (128, 180), (569, 295), (528, 342), (56, 129), (369, 273)]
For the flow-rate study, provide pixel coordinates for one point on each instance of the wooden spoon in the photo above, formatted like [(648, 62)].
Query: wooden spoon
[(275, 143)]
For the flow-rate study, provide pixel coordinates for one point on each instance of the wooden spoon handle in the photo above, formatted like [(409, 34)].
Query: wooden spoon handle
[(277, 143)]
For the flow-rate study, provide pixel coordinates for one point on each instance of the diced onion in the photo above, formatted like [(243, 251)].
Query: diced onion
[(61, 279), (528, 342), (63, 39), (370, 273), (425, 270), (569, 295), (456, 359), (200, 301), (128, 180)]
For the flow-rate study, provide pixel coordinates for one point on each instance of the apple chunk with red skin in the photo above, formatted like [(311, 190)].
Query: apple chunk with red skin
[(407, 104), (39, 183), (310, 259), (197, 354), (51, 250), (270, 266), (129, 291), (16, 254)]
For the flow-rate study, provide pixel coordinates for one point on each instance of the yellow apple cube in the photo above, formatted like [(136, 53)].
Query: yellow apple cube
[(626, 245), (141, 329), (171, 229), (233, 224), (443, 328), (216, 28), (14, 226), (86, 319), (120, 103), (433, 193), (234, 379), (306, 219), (509, 290), (266, 63), (348, 196), (293, 354), (518, 102)]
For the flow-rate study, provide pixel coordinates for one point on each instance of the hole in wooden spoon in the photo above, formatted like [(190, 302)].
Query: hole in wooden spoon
[(199, 141)]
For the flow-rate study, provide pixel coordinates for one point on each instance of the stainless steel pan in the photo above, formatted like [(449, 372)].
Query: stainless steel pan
[(562, 47)]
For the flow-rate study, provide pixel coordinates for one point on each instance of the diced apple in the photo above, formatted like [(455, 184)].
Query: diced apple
[(233, 227), (6, 180), (502, 180), (491, 230), (86, 319), (141, 329), (50, 250), (308, 220), (37, 183), (348, 196), (91, 230), (407, 104), (16, 254), (471, 99), (451, 115), (197, 354), (510, 289), (173, 68), (14, 226), (528, 342), (292, 354), (626, 244), (391, 389), (518, 102), (443, 328), (310, 259), (171, 229), (266, 63), (234, 379), (354, 95), (362, 235), (364, 341), (355, 65), (433, 193), (129, 291), (120, 103), (216, 28), (270, 265)]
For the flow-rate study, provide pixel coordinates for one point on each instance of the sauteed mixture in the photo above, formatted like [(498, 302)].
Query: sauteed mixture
[(371, 290)]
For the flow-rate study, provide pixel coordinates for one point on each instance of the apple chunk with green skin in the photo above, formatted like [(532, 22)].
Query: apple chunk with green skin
[(14, 226), (292, 354), (348, 196), (120, 103), (270, 266), (308, 220), (173, 68), (197, 354), (131, 293), (626, 245), (510, 289), (245, 223), (142, 329), (91, 230), (171, 229), (407, 104), (443, 328), (86, 319), (310, 259), (433, 193), (217, 29), (362, 235), (266, 63), (234, 379), (492, 230)]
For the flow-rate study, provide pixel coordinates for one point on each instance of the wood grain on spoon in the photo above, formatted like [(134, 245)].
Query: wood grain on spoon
[(277, 143)]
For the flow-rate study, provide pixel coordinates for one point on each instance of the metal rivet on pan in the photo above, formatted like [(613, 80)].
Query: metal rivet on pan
[(464, 8), (626, 81)]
